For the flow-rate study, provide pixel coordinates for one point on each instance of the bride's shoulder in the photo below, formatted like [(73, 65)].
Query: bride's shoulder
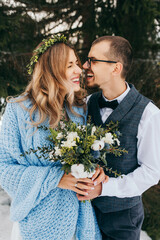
[(80, 110), (18, 106)]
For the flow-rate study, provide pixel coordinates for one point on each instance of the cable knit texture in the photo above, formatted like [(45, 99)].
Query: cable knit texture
[(44, 211)]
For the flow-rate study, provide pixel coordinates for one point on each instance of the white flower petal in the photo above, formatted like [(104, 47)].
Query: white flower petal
[(108, 138), (59, 136), (68, 144), (97, 145), (93, 130), (91, 173), (51, 154), (57, 151), (77, 170), (117, 141)]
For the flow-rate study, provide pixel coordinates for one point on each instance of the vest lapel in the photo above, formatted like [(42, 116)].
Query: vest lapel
[(94, 110), (124, 107)]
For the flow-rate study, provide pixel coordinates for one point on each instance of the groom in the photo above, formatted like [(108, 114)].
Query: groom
[(118, 203)]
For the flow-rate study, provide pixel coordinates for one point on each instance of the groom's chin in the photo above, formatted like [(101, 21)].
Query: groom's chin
[(92, 87)]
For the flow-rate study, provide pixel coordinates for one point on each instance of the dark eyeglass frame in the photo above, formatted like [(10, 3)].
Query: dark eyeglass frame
[(89, 60)]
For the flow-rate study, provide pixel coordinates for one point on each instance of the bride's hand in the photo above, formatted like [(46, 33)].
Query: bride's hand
[(99, 176), (80, 185)]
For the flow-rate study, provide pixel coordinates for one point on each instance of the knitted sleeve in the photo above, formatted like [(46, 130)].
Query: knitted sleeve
[(26, 184), (87, 226)]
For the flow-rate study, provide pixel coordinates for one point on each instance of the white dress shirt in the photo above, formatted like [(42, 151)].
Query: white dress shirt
[(148, 155)]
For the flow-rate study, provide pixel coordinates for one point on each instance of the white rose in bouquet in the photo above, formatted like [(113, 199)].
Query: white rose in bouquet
[(97, 145), (77, 170)]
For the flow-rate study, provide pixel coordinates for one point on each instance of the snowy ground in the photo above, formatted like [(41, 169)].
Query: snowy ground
[(6, 224)]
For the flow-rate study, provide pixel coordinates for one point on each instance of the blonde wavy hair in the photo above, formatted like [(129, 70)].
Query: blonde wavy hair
[(48, 88)]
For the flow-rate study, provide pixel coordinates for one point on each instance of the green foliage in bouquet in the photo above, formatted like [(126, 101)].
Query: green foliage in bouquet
[(82, 146)]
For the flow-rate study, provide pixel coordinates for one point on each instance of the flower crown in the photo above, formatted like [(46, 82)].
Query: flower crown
[(47, 43)]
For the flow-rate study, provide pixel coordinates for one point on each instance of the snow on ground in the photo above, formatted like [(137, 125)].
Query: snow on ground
[(6, 224), (144, 236)]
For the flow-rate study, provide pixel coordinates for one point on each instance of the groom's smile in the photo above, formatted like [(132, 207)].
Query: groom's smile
[(89, 76)]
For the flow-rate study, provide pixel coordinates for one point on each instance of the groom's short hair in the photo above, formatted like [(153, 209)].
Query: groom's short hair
[(120, 50)]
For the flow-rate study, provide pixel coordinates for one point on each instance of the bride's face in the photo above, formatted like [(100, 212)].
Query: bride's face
[(73, 71)]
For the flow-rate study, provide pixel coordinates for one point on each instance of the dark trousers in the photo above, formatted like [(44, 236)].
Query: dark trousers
[(122, 225)]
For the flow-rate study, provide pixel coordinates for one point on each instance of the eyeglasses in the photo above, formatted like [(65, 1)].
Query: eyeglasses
[(89, 60)]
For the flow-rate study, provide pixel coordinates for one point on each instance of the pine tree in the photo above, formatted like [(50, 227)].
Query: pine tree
[(24, 24)]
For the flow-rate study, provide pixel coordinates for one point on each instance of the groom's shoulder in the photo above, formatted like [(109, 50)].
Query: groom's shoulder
[(92, 97)]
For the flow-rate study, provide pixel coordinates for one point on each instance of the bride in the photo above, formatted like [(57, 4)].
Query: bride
[(44, 203)]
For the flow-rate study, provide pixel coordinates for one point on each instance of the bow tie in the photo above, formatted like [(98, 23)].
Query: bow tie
[(102, 103)]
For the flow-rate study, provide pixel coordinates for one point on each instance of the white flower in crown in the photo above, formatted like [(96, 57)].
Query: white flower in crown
[(59, 136), (77, 170), (93, 130), (97, 145), (68, 144), (57, 151), (72, 136), (108, 138)]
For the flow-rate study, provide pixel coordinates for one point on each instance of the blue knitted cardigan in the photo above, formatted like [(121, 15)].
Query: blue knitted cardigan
[(44, 211)]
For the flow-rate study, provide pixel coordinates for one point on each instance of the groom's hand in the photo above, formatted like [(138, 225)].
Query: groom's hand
[(91, 194)]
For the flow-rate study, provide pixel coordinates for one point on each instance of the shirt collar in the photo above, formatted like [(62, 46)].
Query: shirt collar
[(122, 96)]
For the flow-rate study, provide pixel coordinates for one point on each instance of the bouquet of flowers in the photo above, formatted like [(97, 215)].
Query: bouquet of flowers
[(81, 148)]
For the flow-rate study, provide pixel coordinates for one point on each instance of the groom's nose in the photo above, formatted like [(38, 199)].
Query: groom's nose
[(85, 65)]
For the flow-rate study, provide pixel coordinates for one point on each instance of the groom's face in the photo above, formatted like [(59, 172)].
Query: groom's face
[(98, 73)]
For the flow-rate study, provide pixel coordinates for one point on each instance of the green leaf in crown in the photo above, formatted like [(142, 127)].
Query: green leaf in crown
[(47, 43)]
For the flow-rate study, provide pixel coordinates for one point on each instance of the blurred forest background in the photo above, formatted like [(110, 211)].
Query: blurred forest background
[(24, 23)]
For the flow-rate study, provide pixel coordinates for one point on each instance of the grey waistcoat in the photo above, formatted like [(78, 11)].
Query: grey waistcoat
[(128, 114)]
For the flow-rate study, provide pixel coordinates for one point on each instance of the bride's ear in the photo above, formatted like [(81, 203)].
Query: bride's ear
[(118, 68)]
